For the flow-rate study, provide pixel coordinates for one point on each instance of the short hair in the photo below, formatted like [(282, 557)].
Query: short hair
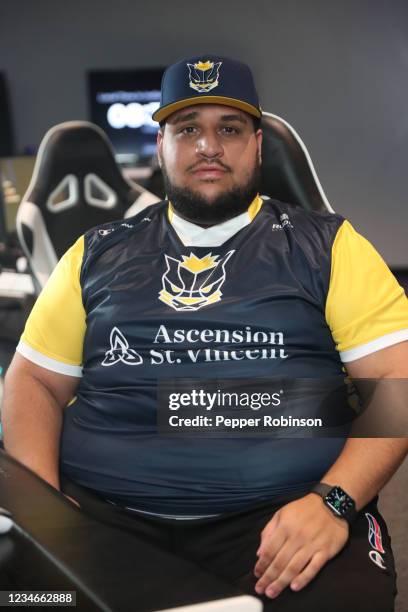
[(257, 122)]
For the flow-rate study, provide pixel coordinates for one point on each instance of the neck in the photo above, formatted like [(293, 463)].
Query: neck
[(200, 224), (205, 224)]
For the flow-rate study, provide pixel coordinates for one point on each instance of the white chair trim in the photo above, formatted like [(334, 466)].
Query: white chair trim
[(143, 201), (308, 158), (43, 258), (70, 181), (111, 197)]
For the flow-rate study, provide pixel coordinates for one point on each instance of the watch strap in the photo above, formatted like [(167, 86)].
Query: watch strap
[(322, 489)]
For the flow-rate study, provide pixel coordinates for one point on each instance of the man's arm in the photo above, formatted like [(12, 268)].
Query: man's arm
[(379, 456), (34, 400), (292, 552)]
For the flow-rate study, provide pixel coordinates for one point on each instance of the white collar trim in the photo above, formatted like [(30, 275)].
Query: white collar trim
[(191, 234), (194, 235)]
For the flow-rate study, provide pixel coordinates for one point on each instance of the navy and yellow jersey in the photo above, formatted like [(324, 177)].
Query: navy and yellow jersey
[(277, 291)]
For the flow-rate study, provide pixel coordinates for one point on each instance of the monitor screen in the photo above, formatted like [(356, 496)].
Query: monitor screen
[(6, 131), (122, 103)]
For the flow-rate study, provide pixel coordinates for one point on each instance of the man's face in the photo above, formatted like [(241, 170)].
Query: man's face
[(210, 156)]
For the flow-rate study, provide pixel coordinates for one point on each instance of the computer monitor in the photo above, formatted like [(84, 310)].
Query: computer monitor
[(122, 103), (6, 130), (3, 230)]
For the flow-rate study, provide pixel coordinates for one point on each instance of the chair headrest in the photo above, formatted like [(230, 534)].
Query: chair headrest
[(287, 172), (79, 149)]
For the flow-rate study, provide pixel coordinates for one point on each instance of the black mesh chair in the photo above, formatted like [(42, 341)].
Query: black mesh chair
[(76, 184)]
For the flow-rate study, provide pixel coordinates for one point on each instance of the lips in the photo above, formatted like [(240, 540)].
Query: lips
[(209, 171)]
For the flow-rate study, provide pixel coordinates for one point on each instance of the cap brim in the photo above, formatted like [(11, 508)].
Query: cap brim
[(164, 112)]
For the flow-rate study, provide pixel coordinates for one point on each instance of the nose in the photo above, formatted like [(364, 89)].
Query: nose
[(209, 145)]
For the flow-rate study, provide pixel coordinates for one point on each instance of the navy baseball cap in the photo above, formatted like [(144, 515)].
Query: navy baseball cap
[(207, 79)]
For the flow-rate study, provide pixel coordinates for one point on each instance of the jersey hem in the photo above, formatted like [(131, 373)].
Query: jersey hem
[(176, 517)]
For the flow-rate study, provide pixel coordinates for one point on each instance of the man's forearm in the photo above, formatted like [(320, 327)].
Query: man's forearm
[(303, 535), (365, 465), (32, 421)]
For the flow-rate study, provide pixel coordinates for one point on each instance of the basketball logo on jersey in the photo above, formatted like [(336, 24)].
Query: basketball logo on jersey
[(194, 282), (204, 75), (120, 351)]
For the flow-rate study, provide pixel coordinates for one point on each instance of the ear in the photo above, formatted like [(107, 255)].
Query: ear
[(160, 137), (259, 136)]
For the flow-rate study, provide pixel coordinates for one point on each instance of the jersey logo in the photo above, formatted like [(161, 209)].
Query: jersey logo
[(204, 75), (105, 232), (284, 222), (120, 351), (193, 283)]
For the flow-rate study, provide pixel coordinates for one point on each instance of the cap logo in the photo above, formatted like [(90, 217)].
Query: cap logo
[(204, 75)]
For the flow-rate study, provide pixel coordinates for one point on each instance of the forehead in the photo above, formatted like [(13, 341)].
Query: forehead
[(209, 112)]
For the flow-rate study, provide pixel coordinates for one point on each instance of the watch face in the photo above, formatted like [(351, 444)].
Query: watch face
[(339, 501)]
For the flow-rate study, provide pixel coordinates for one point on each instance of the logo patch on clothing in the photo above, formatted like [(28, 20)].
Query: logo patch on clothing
[(375, 541), (377, 559), (194, 282), (374, 533), (120, 351), (203, 76), (106, 232), (284, 222)]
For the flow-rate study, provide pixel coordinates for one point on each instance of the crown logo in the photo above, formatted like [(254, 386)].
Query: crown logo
[(204, 75), (203, 65), (195, 264)]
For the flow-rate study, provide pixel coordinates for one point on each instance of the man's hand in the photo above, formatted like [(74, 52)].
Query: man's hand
[(296, 543)]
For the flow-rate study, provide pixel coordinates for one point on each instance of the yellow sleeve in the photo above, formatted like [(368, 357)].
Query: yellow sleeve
[(366, 309), (54, 331)]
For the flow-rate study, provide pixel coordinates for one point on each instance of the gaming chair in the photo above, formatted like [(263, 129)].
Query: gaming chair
[(287, 171), (76, 184)]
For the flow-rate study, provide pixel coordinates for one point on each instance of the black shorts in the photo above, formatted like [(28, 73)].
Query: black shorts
[(361, 578)]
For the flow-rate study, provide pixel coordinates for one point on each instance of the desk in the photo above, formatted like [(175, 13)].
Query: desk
[(15, 284), (101, 563)]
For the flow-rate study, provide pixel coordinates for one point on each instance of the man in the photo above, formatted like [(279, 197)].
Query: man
[(201, 287)]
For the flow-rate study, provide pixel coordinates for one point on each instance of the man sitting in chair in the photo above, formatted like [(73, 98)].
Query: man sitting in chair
[(217, 282)]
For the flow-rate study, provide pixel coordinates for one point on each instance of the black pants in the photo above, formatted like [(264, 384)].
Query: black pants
[(226, 546)]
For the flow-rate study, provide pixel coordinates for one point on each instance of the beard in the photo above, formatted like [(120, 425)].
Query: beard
[(196, 208)]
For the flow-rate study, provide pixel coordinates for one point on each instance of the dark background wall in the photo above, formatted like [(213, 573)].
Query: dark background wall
[(338, 71)]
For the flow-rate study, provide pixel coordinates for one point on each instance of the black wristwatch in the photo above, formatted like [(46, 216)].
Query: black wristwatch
[(342, 505)]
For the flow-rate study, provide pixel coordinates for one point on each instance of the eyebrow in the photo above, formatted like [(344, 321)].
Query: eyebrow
[(235, 117), (186, 117), (194, 115)]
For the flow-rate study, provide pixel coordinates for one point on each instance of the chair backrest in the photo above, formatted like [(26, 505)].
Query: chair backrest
[(288, 173), (76, 184)]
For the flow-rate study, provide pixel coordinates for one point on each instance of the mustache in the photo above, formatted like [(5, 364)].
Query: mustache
[(201, 164)]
